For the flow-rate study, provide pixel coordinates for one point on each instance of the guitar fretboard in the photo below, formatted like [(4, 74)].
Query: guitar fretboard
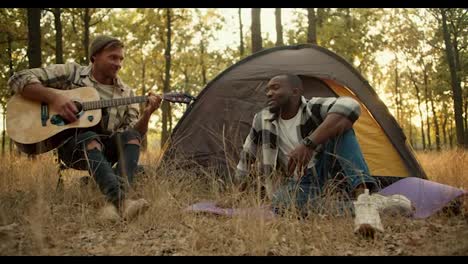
[(91, 105)]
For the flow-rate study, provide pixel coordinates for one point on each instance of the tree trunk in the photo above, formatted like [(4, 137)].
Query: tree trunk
[(86, 21), (279, 27), (170, 119), (202, 63), (418, 97), (58, 36), (10, 73), (451, 135), (444, 129), (466, 119), (320, 16), (34, 37), (10, 54), (410, 128), (456, 54), (241, 46), (436, 125), (311, 28), (167, 79), (144, 140), (186, 82), (10, 146), (397, 93), (34, 41), (256, 31), (3, 132), (436, 121), (456, 87), (456, 51), (348, 18), (428, 122), (186, 78)]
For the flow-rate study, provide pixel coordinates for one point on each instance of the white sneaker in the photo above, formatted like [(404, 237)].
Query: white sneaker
[(367, 219), (396, 204)]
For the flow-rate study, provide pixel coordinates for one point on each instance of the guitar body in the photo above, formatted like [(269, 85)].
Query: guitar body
[(36, 128)]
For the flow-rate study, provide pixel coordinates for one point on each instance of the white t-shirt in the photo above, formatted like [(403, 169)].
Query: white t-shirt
[(289, 137)]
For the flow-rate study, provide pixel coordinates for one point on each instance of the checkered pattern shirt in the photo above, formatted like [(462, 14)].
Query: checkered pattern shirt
[(71, 75), (264, 130)]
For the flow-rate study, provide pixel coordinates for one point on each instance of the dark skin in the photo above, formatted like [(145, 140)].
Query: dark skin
[(286, 99)]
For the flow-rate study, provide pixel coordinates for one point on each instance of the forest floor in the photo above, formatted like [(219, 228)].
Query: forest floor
[(38, 219)]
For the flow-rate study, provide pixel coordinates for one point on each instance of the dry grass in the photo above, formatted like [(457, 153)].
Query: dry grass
[(63, 222), (450, 167)]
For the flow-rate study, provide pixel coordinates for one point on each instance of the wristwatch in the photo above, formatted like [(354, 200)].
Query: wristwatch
[(309, 143)]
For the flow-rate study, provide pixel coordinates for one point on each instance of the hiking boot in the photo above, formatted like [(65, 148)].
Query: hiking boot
[(133, 208), (109, 213), (396, 204), (367, 219)]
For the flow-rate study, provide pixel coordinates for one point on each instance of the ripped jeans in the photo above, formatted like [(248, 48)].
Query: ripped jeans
[(114, 149)]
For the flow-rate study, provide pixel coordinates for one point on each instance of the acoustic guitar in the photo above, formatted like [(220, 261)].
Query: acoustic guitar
[(36, 128)]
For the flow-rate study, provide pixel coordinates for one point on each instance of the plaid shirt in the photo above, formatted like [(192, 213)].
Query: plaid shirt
[(71, 75), (264, 130)]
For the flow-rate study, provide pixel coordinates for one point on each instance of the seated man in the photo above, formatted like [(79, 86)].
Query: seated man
[(116, 138), (310, 141)]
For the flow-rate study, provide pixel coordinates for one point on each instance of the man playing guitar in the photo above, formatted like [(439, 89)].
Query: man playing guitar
[(118, 136)]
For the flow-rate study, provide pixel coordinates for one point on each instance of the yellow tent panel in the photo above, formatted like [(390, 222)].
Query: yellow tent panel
[(375, 145)]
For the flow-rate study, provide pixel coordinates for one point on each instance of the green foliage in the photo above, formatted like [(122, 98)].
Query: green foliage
[(412, 39)]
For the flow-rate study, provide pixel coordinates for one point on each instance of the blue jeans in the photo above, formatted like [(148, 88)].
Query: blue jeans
[(340, 168)]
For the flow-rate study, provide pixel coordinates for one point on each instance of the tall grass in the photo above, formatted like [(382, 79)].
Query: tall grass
[(64, 222), (448, 167)]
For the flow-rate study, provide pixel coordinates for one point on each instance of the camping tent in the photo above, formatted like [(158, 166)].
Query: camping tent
[(212, 130)]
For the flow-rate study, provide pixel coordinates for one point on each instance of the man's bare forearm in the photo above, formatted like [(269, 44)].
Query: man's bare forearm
[(142, 123), (38, 92), (332, 126)]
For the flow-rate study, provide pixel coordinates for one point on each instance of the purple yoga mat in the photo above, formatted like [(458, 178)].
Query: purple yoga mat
[(427, 197), (210, 207)]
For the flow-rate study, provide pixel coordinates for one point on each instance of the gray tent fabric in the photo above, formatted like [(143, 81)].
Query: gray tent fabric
[(212, 130)]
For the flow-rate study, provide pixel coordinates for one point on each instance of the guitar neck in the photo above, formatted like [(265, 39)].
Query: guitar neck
[(91, 105)]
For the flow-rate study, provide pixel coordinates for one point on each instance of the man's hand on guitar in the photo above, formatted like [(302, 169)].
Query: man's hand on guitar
[(154, 101), (65, 107)]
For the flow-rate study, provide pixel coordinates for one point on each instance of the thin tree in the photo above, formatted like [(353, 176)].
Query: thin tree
[(241, 46), (279, 27), (167, 76), (311, 28), (455, 81), (418, 97), (34, 37), (144, 142), (57, 12), (426, 101), (86, 25), (58, 36), (86, 16), (256, 31), (10, 73), (202, 62)]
